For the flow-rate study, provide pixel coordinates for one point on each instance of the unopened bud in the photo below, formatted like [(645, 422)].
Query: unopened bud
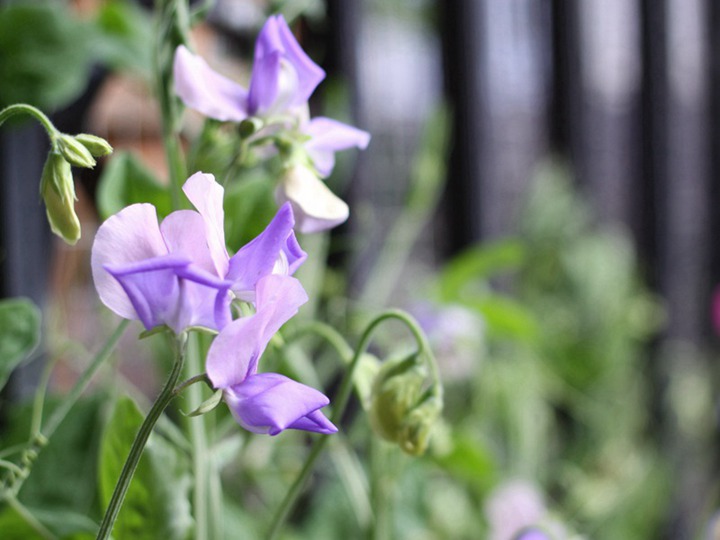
[(396, 391), (97, 146), (75, 153), (58, 192), (417, 426)]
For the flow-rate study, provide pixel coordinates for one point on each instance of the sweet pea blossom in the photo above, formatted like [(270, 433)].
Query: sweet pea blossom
[(282, 80), (264, 402), (283, 77), (178, 272)]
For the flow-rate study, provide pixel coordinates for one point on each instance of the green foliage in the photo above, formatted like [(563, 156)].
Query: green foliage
[(19, 334), (156, 504), (52, 492), (46, 52), (562, 394), (44, 57), (126, 181)]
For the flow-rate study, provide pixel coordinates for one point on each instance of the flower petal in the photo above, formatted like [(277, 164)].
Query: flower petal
[(234, 354), (270, 403), (203, 89), (329, 136), (207, 196), (316, 208), (309, 74), (153, 288), (258, 258), (265, 84), (130, 236), (184, 234)]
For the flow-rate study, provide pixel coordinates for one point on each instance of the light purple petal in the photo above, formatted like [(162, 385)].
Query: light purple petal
[(130, 236), (235, 352), (184, 234), (270, 403), (314, 421), (265, 84), (203, 89), (257, 258), (205, 299), (207, 196), (293, 252), (152, 287), (329, 136), (309, 74)]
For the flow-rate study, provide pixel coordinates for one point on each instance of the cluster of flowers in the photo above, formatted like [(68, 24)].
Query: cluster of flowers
[(178, 273), (282, 80)]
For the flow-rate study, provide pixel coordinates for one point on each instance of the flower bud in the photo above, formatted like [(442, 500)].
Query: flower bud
[(97, 146), (58, 192), (418, 423), (75, 153), (396, 390)]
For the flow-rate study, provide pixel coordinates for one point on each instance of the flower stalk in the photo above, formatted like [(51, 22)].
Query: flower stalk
[(163, 400)]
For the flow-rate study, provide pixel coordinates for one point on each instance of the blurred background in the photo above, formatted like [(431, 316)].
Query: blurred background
[(540, 189)]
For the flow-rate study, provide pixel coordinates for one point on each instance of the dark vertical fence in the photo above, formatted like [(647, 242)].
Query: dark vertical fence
[(633, 105)]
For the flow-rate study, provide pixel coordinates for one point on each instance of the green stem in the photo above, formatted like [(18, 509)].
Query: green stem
[(136, 450), (172, 19), (340, 403), (208, 516), (329, 334), (22, 108)]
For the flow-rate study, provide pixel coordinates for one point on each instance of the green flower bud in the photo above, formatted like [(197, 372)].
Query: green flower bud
[(417, 426), (97, 146), (75, 153), (58, 192), (396, 391)]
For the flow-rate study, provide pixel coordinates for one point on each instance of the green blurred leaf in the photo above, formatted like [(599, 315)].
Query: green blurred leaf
[(126, 181), (156, 504), (19, 334), (44, 58), (14, 527), (506, 317), (249, 207), (470, 462), (124, 36), (476, 264)]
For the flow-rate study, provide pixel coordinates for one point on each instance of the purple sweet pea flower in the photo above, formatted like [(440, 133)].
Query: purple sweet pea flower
[(283, 77), (179, 272), (264, 402)]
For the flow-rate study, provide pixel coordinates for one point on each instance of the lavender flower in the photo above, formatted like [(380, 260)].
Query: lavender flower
[(179, 272), (283, 77), (282, 80), (264, 402)]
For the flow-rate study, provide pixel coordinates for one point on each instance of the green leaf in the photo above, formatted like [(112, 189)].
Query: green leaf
[(156, 504), (44, 58), (208, 405), (124, 36), (19, 334), (477, 264), (506, 317), (126, 181)]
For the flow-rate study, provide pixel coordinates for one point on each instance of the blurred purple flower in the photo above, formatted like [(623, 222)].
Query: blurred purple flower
[(328, 136), (178, 272), (282, 80), (283, 77), (264, 402)]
